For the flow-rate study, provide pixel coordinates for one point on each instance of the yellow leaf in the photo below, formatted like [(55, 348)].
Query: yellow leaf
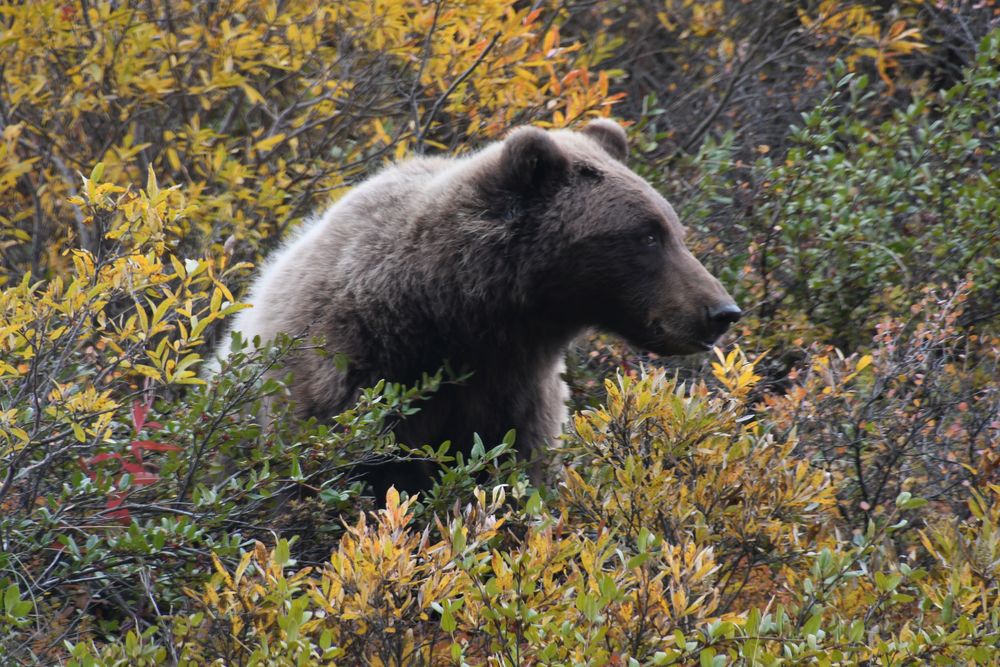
[(391, 501), (221, 569), (863, 362), (78, 432), (242, 567), (251, 93), (173, 159), (148, 371), (152, 188), (268, 143)]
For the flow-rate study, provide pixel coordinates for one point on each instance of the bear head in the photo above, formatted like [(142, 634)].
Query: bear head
[(606, 249)]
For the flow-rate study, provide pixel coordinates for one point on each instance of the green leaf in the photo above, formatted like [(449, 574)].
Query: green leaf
[(856, 631), (281, 554), (637, 560), (812, 625), (752, 626), (448, 622), (11, 596), (887, 583), (533, 506)]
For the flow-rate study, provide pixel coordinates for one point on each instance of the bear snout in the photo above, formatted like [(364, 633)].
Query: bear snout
[(720, 316), (725, 314), (695, 332)]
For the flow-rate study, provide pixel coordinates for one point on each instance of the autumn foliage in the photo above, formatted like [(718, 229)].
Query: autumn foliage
[(825, 490)]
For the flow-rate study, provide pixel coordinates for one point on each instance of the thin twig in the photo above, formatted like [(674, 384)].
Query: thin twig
[(455, 84), (418, 146), (730, 89)]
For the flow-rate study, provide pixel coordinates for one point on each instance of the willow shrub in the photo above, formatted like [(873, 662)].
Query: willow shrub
[(685, 532), (872, 202), (261, 110)]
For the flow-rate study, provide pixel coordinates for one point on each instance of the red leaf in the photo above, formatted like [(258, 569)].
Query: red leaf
[(86, 469), (123, 516), (154, 446), (103, 457), (144, 478), (133, 468), (139, 412)]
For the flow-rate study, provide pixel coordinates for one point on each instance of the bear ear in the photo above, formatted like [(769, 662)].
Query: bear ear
[(531, 161), (610, 136)]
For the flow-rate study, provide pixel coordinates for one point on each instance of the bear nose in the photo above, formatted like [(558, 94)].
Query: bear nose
[(724, 314)]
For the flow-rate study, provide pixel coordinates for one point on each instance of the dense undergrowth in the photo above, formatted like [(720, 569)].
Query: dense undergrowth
[(824, 491)]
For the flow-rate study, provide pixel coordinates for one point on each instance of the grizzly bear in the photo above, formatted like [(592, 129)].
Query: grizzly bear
[(490, 264)]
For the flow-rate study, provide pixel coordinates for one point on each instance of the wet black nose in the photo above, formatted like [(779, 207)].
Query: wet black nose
[(723, 315)]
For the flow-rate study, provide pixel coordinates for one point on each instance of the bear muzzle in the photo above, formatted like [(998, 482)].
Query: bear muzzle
[(717, 320), (720, 317), (665, 337)]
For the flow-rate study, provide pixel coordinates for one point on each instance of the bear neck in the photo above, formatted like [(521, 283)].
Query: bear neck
[(480, 297)]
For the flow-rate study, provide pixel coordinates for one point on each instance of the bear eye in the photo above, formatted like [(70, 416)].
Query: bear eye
[(649, 240)]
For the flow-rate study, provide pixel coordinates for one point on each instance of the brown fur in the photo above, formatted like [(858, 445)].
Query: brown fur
[(491, 263)]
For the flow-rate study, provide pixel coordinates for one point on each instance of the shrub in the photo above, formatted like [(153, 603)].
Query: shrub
[(917, 413), (636, 559), (557, 580), (870, 205), (261, 110)]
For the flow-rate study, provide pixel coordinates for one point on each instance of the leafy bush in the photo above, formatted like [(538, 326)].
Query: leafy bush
[(919, 412), (684, 532), (559, 580), (870, 205), (261, 110)]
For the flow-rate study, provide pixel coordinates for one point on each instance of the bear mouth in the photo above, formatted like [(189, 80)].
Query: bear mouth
[(665, 341), (676, 347), (695, 345)]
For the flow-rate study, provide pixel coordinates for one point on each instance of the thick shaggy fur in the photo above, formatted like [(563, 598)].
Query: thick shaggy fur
[(490, 263)]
